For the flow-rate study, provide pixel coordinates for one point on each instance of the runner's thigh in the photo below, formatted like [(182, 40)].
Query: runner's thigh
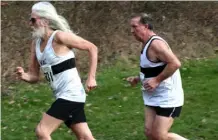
[(82, 130), (149, 117), (49, 123)]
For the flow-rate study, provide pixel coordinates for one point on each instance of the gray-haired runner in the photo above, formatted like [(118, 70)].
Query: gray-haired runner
[(161, 81), (52, 46)]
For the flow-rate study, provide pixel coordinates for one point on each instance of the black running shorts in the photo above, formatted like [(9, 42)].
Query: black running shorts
[(68, 111), (167, 112)]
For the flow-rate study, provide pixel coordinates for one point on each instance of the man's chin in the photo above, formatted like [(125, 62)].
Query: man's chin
[(38, 33), (137, 38), (36, 36)]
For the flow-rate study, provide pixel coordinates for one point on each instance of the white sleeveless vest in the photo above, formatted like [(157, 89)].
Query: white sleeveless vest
[(169, 93), (60, 72)]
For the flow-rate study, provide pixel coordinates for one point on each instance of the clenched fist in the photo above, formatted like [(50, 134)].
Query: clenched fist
[(20, 73)]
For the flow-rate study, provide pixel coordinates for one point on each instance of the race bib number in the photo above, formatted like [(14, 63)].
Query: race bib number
[(48, 73)]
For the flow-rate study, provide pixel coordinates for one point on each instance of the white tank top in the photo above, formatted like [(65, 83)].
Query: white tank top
[(170, 92), (60, 72)]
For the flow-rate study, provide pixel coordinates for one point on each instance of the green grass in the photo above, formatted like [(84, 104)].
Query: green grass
[(115, 110)]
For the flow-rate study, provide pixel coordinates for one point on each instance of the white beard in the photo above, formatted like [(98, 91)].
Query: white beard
[(38, 32)]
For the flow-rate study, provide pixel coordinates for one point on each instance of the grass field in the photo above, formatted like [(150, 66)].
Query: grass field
[(115, 110)]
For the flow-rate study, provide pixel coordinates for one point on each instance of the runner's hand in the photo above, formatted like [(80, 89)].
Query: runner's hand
[(151, 84), (19, 73), (133, 80), (90, 84)]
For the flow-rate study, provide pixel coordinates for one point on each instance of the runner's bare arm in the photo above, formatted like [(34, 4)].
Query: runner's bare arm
[(164, 54), (32, 76), (73, 41)]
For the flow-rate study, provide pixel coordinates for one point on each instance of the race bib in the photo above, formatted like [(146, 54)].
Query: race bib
[(142, 78), (48, 73)]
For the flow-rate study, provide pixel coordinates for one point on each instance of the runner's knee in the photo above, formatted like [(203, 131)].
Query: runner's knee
[(159, 135), (148, 132), (41, 132), (85, 136)]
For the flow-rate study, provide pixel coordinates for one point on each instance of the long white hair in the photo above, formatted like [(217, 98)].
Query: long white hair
[(47, 11)]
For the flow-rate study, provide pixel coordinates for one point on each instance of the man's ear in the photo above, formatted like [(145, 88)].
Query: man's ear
[(146, 26)]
